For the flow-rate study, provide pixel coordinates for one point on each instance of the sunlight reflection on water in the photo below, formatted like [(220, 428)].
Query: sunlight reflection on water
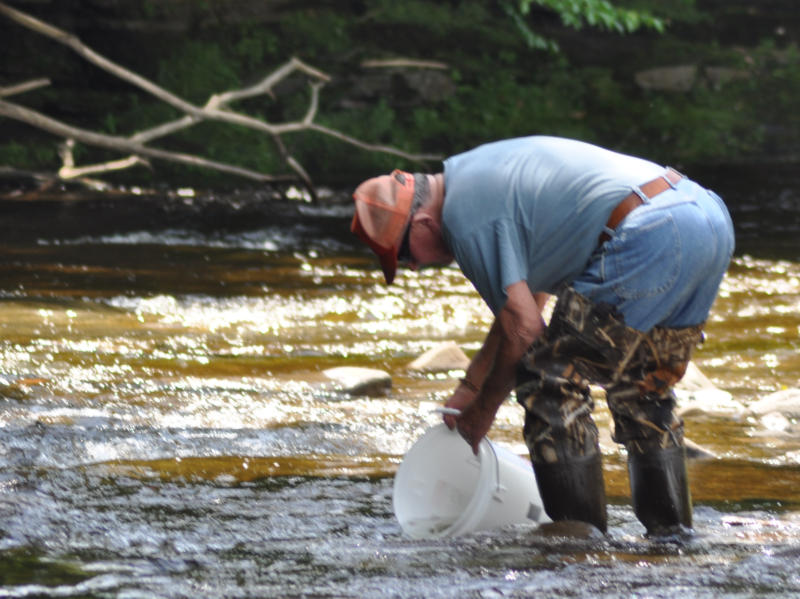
[(164, 421)]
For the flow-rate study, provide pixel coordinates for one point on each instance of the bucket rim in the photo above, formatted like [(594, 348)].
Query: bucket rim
[(483, 491)]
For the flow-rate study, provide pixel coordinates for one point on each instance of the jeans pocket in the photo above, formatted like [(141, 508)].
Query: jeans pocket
[(645, 258)]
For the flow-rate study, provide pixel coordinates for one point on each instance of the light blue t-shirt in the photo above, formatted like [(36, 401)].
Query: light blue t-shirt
[(531, 209)]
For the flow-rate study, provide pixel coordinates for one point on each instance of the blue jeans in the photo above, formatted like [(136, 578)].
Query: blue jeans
[(665, 262)]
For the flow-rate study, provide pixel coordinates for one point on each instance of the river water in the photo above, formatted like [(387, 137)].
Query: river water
[(166, 430)]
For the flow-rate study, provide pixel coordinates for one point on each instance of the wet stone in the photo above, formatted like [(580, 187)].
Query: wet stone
[(353, 380), (697, 394), (19, 388), (785, 402), (775, 422), (443, 357), (695, 379)]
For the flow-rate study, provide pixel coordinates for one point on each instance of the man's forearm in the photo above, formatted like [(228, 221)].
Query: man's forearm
[(500, 379), (517, 325), (482, 362), (496, 339)]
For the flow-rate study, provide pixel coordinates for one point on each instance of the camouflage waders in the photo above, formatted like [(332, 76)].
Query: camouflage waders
[(585, 343)]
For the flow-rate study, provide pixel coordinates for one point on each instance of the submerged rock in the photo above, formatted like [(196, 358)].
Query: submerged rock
[(785, 402), (775, 422), (569, 529), (697, 394), (19, 388), (443, 357), (695, 379), (359, 381), (707, 401)]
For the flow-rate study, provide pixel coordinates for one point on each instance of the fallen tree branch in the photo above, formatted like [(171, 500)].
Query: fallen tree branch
[(372, 147), (111, 142), (266, 85), (216, 108), (23, 87), (70, 171)]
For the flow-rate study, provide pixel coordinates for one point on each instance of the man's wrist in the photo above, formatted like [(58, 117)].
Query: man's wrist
[(469, 384)]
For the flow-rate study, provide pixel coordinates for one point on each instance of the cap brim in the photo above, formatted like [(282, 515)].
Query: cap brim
[(386, 256), (389, 265)]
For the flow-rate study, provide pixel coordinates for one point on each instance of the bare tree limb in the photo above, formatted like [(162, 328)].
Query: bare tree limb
[(313, 104), (111, 142), (372, 147), (266, 85), (163, 130), (216, 108), (69, 171), (21, 88), (296, 166)]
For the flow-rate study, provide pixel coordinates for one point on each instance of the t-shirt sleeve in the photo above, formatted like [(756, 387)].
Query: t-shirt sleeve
[(492, 258)]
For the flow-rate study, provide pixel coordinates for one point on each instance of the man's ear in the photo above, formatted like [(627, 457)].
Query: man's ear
[(427, 221), (433, 238), (420, 216)]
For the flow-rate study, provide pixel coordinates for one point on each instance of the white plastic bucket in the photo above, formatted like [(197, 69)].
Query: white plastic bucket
[(443, 490)]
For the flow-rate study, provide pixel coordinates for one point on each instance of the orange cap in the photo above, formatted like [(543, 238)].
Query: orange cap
[(383, 206)]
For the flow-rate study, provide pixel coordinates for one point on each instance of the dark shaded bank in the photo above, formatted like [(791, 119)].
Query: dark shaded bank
[(764, 202), (73, 214)]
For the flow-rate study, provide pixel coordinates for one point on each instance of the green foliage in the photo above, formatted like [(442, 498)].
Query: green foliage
[(253, 47), (506, 74), (315, 34), (13, 152), (773, 91), (596, 13), (683, 11), (32, 156), (434, 18), (530, 37), (703, 126), (578, 14), (198, 69)]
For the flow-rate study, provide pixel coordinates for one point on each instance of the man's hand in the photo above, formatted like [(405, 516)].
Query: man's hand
[(474, 420), (473, 424)]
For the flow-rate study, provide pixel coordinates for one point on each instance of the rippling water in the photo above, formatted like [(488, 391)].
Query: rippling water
[(166, 430)]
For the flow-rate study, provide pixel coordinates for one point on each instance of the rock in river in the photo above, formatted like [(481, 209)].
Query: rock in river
[(359, 381), (697, 394), (785, 402), (440, 358)]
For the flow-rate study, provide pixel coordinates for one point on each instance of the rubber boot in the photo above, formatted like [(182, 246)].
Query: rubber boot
[(660, 490), (574, 490)]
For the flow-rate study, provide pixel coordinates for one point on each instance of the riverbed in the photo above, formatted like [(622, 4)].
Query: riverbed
[(166, 429)]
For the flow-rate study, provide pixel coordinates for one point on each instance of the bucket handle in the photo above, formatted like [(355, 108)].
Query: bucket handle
[(498, 486), (456, 412), (447, 411)]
